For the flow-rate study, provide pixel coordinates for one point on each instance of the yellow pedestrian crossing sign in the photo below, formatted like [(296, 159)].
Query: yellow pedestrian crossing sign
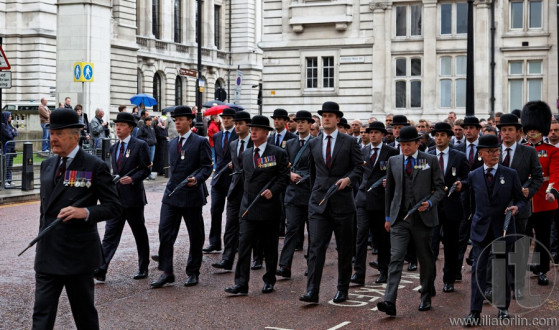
[(83, 72)]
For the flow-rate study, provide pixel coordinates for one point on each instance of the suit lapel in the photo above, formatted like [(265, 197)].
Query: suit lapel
[(337, 147), (497, 182), (518, 157), (416, 170), (129, 147), (59, 187)]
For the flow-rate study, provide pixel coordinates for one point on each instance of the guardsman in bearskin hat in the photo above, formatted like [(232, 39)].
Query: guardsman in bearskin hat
[(536, 120)]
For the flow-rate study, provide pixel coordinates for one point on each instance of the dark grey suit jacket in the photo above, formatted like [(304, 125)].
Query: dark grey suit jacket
[(426, 182), (298, 194), (235, 192), (374, 199)]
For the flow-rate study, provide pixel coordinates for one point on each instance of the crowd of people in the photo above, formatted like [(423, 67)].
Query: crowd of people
[(398, 187)]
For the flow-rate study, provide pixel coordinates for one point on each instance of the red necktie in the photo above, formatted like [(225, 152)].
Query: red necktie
[(256, 157), (61, 170), (226, 140), (409, 166), (374, 156), (471, 155), (506, 161), (120, 156), (179, 145), (328, 153), (441, 162)]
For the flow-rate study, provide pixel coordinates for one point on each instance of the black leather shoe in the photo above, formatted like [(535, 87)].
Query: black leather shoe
[(211, 248), (237, 289), (412, 267), (256, 264), (375, 251), (534, 269), (448, 287), (299, 248), (488, 294), (555, 258), (357, 280), (223, 264), (268, 288), (373, 264), (163, 279), (469, 261), (340, 296), (503, 314), (382, 278), (458, 277), (99, 275), (387, 307), (155, 258), (542, 279), (472, 320), (141, 275), (192, 280), (284, 271), (310, 297), (517, 294), (425, 305)]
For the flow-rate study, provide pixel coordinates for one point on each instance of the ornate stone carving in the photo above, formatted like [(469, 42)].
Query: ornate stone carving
[(379, 5)]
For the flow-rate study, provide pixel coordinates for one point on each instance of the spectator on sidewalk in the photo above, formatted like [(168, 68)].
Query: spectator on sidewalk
[(44, 114), (8, 133), (84, 136)]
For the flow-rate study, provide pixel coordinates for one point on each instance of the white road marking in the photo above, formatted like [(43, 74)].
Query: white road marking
[(343, 324)]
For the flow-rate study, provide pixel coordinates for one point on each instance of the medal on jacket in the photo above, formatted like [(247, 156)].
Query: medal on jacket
[(127, 153), (72, 178), (382, 165), (454, 171), (283, 144), (88, 178), (67, 178), (502, 180), (182, 154), (78, 182)]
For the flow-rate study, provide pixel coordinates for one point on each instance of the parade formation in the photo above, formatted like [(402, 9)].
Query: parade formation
[(397, 189)]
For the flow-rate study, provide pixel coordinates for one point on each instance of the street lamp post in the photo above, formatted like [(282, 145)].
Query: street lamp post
[(199, 118), (470, 110)]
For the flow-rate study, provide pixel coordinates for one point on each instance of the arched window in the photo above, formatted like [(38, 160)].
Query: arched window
[(178, 90), (155, 18), (177, 26), (220, 93), (157, 91), (139, 81)]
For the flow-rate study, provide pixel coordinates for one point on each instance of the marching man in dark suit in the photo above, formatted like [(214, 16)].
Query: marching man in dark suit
[(235, 193), (370, 206), (336, 160), (412, 177), (130, 160), (190, 160), (491, 188), (67, 256), (221, 179), (263, 165), (298, 192), (454, 168)]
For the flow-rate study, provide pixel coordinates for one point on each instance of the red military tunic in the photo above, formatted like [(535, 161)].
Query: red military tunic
[(549, 160)]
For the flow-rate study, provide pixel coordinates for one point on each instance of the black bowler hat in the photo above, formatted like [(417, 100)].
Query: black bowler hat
[(260, 121), (442, 127), (280, 113), (64, 118), (471, 121), (408, 133), (509, 119), (228, 112), (376, 126), (488, 141), (343, 122), (304, 115), (183, 111), (242, 116), (400, 120), (331, 107), (125, 117)]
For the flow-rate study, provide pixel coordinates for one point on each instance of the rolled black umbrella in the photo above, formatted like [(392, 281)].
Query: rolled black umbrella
[(416, 206)]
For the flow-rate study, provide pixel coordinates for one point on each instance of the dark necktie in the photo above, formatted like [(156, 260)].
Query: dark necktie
[(225, 140), (328, 159), (441, 162), (409, 166), (256, 157), (471, 155), (489, 177), (301, 143), (458, 142), (278, 139), (61, 170), (179, 145), (120, 156), (240, 155), (374, 156), (506, 161)]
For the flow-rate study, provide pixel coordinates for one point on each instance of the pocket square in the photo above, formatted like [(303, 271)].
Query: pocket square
[(426, 167)]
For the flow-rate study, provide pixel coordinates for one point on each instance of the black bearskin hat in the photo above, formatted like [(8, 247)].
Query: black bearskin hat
[(536, 115)]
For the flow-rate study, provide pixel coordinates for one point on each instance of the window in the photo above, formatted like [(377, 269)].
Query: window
[(320, 77), (408, 20), (177, 21), (408, 73), (453, 18), (217, 24), (525, 82), (155, 21), (452, 81), (178, 90), (157, 91), (524, 15)]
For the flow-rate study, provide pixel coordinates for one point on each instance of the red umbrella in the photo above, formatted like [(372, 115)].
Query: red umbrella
[(215, 110)]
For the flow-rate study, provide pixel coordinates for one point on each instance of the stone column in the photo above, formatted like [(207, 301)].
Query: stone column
[(83, 35), (430, 70), (482, 65), (381, 90)]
